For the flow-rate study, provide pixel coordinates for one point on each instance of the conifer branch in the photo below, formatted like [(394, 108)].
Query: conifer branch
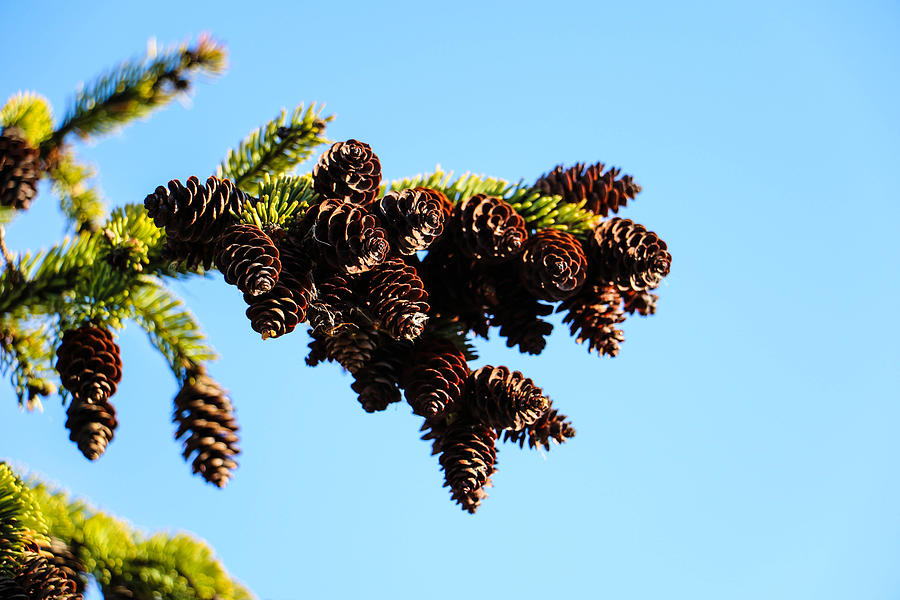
[(20, 518), (282, 200), (29, 112), (25, 356), (275, 148), (136, 88), (79, 200)]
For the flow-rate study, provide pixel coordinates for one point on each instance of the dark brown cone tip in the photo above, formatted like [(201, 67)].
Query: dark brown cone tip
[(279, 311), (551, 426), (602, 191), (592, 316), (206, 423), (19, 169), (468, 457), (377, 383), (628, 255), (435, 381), (398, 300), (348, 171), (553, 266), (504, 399), (248, 258), (489, 229)]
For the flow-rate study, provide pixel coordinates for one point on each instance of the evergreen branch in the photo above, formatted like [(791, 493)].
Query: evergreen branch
[(25, 356), (20, 518), (29, 112), (275, 148), (282, 200), (172, 329), (451, 330), (79, 201), (540, 212), (136, 88)]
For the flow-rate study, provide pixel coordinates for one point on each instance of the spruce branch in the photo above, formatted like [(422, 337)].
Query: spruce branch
[(275, 148), (135, 88), (29, 112), (282, 200), (25, 356), (79, 200), (172, 329), (20, 518)]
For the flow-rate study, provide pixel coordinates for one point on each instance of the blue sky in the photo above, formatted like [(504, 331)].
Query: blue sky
[(743, 445)]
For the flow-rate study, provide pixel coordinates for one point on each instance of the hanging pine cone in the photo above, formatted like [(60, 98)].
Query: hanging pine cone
[(377, 383), (193, 212), (398, 299), (337, 295), (436, 379), (351, 347), (248, 258), (88, 363), (518, 313), (551, 426), (628, 255), (10, 590), (62, 556), (349, 237), (457, 289), (593, 315), (190, 255), (602, 192), (553, 266), (40, 580), (414, 217), (281, 309), (348, 171), (489, 229), (205, 418), (504, 399), (642, 303), (19, 169), (468, 457), (92, 425)]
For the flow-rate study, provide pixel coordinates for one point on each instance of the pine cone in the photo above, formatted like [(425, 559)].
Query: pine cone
[(457, 289), (518, 313), (194, 212), (436, 380), (503, 399), (414, 217), (89, 364), (64, 558), (629, 255), (337, 295), (351, 347), (551, 426), (377, 383), (602, 191), (92, 425), (349, 237), (205, 418), (279, 311), (468, 458), (489, 229), (40, 580), (593, 315), (191, 255), (398, 299), (10, 590), (19, 169), (643, 303), (348, 171), (553, 266), (248, 258)]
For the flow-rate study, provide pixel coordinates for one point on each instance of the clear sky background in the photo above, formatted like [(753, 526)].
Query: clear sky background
[(744, 443)]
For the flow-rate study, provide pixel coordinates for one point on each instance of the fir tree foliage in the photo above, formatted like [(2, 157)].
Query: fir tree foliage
[(31, 113), (282, 201), (275, 148)]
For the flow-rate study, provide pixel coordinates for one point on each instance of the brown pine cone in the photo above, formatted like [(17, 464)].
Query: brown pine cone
[(279, 311), (377, 383), (503, 399), (10, 590), (643, 303), (603, 192), (92, 425), (628, 255), (205, 418), (351, 346), (192, 255), (63, 557), (349, 238), (337, 297), (457, 289), (414, 218), (489, 229), (40, 580), (593, 315), (19, 169), (397, 299), (468, 457), (518, 314), (553, 266), (193, 212), (89, 363), (551, 426), (436, 379), (348, 171), (248, 258)]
